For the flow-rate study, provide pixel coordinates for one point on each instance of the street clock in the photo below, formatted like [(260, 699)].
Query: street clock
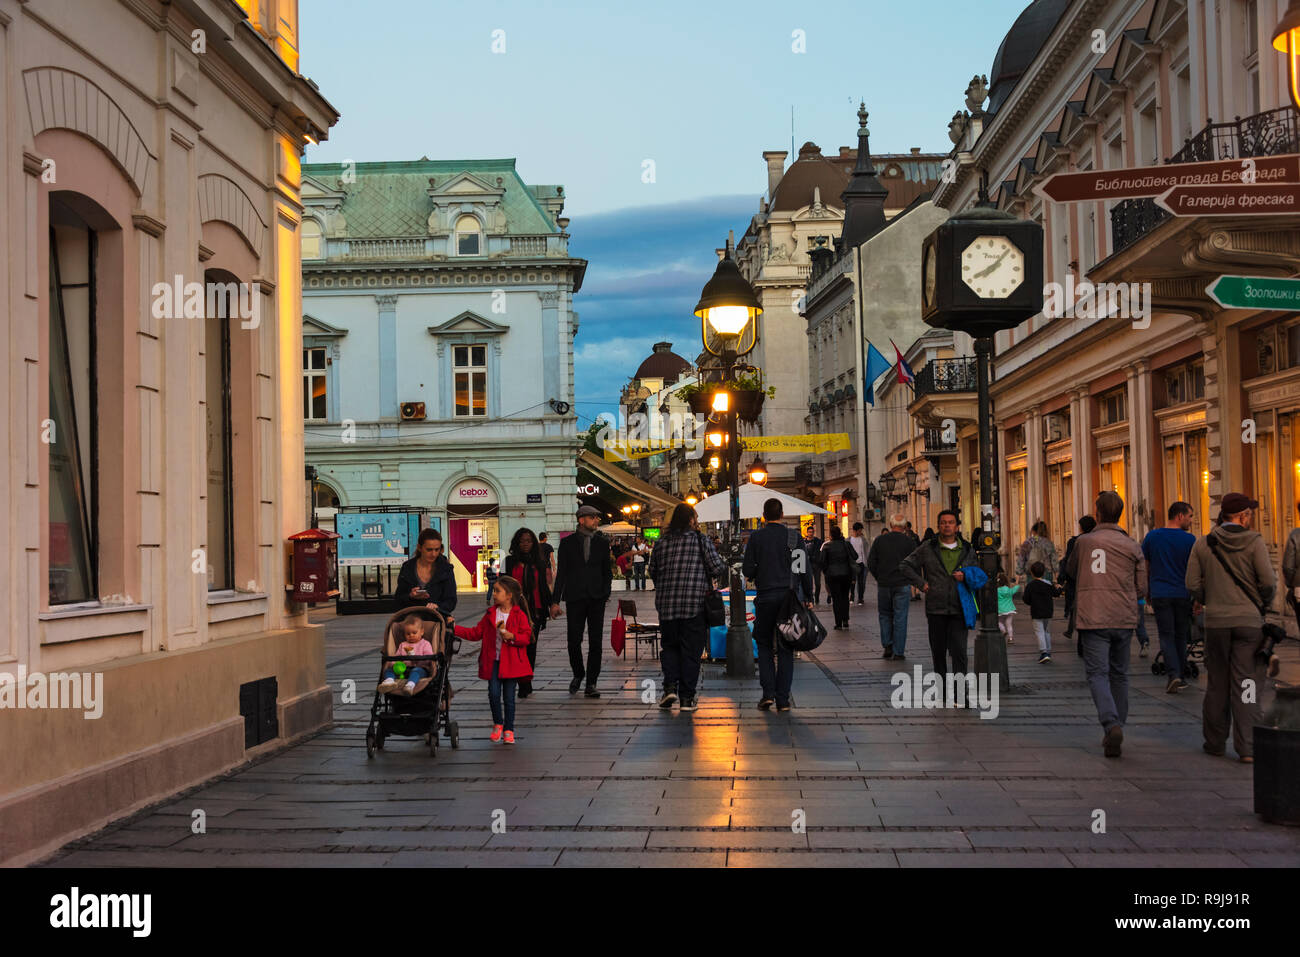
[(981, 272)]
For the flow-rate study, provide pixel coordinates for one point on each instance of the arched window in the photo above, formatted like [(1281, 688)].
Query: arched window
[(468, 240), (313, 243)]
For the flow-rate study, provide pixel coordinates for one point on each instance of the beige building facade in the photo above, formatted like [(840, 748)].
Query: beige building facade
[(1168, 396), (153, 326)]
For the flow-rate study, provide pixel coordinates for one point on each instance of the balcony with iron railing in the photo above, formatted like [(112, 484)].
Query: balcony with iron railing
[(936, 445), (1270, 133), (946, 375)]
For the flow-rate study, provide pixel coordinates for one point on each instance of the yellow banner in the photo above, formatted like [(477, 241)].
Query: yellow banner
[(617, 450), (627, 450), (810, 444)]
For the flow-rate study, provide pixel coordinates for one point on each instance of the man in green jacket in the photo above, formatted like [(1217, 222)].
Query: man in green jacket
[(936, 569), (1230, 574)]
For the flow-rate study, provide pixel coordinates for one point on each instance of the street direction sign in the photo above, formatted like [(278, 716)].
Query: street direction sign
[(1258, 199), (1154, 180), (1255, 292)]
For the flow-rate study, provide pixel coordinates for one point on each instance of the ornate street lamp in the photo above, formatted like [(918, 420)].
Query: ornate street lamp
[(758, 472), (692, 498), (1286, 39), (911, 475), (887, 482), (729, 311)]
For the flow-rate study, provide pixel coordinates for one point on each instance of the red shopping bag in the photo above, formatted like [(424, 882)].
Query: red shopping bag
[(618, 633)]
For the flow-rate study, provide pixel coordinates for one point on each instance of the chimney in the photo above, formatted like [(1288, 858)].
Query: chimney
[(916, 151), (775, 169)]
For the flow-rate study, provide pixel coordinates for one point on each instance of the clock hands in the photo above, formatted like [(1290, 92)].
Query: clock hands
[(987, 270)]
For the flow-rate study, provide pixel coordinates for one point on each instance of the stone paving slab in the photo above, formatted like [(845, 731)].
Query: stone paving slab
[(616, 782)]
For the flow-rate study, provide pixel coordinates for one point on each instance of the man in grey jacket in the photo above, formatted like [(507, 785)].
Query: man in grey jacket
[(1110, 575), (936, 569), (1230, 574)]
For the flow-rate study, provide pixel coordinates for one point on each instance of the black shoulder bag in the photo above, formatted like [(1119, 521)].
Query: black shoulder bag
[(715, 612), (1272, 633)]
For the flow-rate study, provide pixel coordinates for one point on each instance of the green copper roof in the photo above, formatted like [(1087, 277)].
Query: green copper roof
[(391, 199)]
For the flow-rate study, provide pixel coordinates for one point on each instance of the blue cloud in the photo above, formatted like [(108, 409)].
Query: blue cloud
[(646, 267)]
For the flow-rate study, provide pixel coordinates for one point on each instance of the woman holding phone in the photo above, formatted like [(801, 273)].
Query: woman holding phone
[(427, 579)]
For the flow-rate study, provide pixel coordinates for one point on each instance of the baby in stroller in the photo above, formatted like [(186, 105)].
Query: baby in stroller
[(413, 643)]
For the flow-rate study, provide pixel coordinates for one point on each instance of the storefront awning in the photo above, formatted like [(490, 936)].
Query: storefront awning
[(623, 485)]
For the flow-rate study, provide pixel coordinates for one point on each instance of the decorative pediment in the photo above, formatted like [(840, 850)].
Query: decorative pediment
[(1168, 20), (466, 193), (1134, 48), (1025, 175), (465, 187), (320, 329), (468, 327), (469, 321)]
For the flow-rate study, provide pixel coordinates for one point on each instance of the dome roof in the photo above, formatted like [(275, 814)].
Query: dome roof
[(1019, 47), (810, 171), (663, 363)]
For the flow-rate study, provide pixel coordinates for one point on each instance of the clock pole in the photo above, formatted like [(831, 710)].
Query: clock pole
[(990, 644)]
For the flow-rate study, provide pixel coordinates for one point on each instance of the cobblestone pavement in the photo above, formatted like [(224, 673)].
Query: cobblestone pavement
[(615, 781)]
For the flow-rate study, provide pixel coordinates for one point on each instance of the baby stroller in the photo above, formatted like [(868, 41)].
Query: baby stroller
[(1195, 650), (426, 710)]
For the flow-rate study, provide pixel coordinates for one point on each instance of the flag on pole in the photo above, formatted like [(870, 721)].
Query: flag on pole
[(905, 373), (877, 365)]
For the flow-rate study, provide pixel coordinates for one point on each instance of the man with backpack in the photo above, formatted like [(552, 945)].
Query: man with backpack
[(769, 564), (1230, 574), (1037, 548)]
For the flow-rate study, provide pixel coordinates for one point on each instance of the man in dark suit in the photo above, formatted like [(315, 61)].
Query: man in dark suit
[(582, 582)]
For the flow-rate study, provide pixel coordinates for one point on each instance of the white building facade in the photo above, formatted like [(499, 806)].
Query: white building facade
[(438, 346)]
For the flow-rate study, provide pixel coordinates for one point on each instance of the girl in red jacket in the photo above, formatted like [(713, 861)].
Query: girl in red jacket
[(502, 660)]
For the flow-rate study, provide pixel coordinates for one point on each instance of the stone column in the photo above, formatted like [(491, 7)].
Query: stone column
[(1036, 473), (550, 348), (1082, 451), (388, 401), (1134, 496)]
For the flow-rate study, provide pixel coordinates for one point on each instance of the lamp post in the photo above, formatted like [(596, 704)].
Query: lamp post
[(1286, 39), (729, 311)]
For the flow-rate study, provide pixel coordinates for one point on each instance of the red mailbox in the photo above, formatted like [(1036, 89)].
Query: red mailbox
[(315, 566)]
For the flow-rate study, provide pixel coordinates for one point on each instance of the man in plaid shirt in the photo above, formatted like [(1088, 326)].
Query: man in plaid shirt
[(681, 565)]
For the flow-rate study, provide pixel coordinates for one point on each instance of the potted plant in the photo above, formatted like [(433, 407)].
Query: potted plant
[(746, 390)]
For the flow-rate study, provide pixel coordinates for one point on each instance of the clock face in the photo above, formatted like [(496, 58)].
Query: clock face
[(929, 278), (993, 267)]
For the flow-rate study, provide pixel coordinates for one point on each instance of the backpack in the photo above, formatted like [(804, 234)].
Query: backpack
[(796, 626)]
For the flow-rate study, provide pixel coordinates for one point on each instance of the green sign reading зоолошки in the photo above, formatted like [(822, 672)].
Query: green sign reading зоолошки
[(1255, 292)]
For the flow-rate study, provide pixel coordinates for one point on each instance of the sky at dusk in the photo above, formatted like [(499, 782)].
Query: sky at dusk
[(588, 95)]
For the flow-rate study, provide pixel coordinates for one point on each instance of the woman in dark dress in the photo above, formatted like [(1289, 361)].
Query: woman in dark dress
[(526, 564), (427, 580)]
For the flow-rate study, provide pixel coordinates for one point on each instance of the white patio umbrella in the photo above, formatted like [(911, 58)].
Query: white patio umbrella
[(618, 528), (717, 507)]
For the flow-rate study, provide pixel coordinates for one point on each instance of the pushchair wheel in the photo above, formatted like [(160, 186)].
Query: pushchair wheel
[(370, 743), (453, 732), (1192, 669), (433, 744)]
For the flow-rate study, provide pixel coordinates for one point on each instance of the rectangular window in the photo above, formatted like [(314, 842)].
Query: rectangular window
[(1183, 91), (220, 491), (1148, 143), (315, 407), (1113, 407), (73, 497), (470, 369)]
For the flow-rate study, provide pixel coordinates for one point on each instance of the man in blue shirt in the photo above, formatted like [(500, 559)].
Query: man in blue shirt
[(1167, 551)]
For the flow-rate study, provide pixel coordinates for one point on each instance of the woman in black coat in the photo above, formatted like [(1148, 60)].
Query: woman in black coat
[(526, 564), (427, 580), (838, 560)]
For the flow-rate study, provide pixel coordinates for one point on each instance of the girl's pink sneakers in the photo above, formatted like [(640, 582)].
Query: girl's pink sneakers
[(496, 733), (510, 737)]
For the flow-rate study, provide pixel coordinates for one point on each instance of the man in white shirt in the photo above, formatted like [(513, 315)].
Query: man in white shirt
[(859, 543), (640, 556)]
